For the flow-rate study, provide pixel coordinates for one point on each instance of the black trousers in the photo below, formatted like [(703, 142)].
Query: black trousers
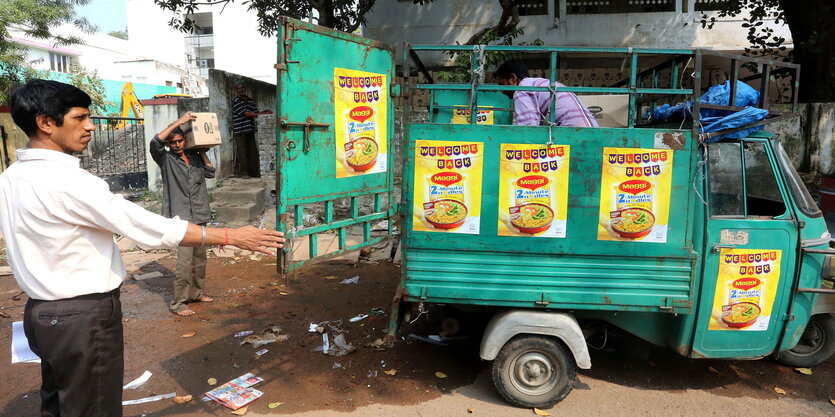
[(81, 346), (247, 161)]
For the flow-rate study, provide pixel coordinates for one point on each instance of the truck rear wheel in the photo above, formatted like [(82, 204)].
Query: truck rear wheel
[(815, 346), (534, 371)]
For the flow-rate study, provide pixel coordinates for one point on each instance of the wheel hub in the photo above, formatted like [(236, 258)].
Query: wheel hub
[(534, 373)]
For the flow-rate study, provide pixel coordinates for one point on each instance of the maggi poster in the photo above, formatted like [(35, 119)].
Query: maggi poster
[(447, 194), (461, 115), (745, 288), (635, 194), (533, 190), (361, 103)]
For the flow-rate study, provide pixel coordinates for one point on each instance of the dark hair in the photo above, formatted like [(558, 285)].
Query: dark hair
[(512, 67), (46, 97), (177, 131)]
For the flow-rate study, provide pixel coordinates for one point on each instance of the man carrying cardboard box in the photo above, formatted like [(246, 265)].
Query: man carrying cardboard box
[(184, 194)]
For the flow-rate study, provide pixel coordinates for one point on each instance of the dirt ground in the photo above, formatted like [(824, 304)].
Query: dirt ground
[(249, 297)]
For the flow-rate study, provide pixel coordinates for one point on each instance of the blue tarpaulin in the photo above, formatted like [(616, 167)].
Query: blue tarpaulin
[(732, 121), (713, 120)]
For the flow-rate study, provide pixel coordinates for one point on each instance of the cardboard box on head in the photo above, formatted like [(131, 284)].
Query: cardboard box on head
[(203, 132)]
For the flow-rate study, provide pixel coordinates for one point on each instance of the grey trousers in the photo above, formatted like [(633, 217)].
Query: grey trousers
[(81, 346), (191, 275)]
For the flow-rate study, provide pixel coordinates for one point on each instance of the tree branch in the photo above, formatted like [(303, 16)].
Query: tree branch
[(360, 16), (507, 22)]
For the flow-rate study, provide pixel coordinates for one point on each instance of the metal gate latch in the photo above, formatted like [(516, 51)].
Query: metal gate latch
[(307, 125)]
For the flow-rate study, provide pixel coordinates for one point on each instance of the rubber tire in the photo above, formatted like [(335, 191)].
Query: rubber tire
[(822, 326), (563, 375)]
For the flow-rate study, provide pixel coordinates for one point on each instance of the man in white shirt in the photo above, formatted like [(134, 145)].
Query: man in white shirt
[(58, 221)]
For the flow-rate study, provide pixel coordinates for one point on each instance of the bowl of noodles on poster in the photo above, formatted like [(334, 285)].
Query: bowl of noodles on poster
[(632, 223), (445, 214), (741, 315), (531, 218), (361, 154)]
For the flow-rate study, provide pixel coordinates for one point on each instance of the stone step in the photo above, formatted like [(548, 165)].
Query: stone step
[(236, 195), (237, 214)]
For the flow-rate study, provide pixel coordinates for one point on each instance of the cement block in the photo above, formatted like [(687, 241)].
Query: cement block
[(239, 195), (149, 275), (237, 214)]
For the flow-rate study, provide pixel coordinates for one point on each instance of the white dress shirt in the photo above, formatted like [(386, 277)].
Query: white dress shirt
[(58, 221)]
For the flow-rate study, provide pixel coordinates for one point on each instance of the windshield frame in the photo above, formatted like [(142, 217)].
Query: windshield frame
[(802, 198)]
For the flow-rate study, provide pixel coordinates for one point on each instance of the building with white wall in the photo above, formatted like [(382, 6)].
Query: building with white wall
[(607, 23), (226, 38)]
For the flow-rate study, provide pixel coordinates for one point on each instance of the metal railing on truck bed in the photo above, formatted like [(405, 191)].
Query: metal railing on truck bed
[(654, 76)]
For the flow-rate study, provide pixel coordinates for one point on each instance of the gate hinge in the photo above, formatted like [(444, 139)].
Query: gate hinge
[(394, 90), (542, 301), (788, 317), (424, 293)]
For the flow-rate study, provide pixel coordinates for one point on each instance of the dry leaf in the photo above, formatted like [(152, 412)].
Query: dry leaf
[(779, 390), (274, 405), (471, 410), (712, 369), (331, 277), (189, 334), (804, 371), (391, 372), (440, 375), (211, 381), (832, 401), (241, 411), (182, 399), (283, 293), (541, 412)]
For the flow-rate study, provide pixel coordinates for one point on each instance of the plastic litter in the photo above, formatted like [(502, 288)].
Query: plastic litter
[(352, 280), (149, 399), (358, 318), (426, 339), (340, 347), (136, 383), (269, 336)]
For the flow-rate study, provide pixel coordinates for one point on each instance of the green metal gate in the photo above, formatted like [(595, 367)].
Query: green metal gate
[(335, 170)]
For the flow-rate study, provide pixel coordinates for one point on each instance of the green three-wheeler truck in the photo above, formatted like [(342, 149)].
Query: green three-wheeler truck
[(707, 243)]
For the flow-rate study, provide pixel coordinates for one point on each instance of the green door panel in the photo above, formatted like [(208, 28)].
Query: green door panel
[(307, 146), (749, 208)]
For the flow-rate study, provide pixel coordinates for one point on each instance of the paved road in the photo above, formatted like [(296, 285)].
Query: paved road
[(594, 397)]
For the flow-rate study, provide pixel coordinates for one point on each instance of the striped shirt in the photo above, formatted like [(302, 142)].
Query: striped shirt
[(241, 123), (532, 107)]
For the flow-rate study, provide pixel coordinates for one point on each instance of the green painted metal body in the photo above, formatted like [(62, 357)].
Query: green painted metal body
[(662, 292), (306, 169)]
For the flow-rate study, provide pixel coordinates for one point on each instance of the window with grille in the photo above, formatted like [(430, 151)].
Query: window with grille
[(708, 5), (619, 6), (533, 7), (59, 62)]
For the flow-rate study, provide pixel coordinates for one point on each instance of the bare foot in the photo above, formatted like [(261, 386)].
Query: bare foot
[(205, 299), (185, 313)]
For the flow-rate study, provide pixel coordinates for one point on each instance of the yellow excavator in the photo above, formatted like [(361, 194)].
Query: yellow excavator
[(129, 101)]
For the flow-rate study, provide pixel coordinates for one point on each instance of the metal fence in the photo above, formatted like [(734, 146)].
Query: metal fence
[(118, 154)]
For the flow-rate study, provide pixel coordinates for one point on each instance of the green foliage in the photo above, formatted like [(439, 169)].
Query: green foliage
[(37, 19), (763, 42), (79, 76), (345, 15), (89, 82), (121, 34)]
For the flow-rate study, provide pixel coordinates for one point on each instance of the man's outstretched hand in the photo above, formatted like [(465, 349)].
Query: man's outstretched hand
[(255, 239)]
